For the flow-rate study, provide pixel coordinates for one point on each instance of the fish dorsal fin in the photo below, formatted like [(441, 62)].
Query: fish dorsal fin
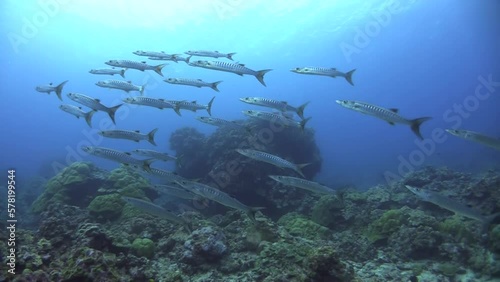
[(241, 64), (113, 67), (194, 102), (163, 100), (162, 52), (216, 51), (391, 123), (284, 102), (199, 79), (137, 131), (143, 62), (128, 153), (334, 69), (129, 81), (50, 83), (80, 108), (394, 110), (97, 100)]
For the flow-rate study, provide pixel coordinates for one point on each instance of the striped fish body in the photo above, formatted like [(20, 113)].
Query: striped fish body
[(271, 159), (174, 191), (112, 71), (277, 118), (165, 175), (78, 112), (142, 66), (52, 88), (476, 137), (212, 54), (302, 184), (117, 156), (175, 58), (389, 115), (154, 210), (192, 106), (151, 102), (214, 194), (193, 82), (238, 69), (94, 104), (126, 86), (218, 122), (154, 154), (151, 54), (331, 72), (265, 102), (130, 135)]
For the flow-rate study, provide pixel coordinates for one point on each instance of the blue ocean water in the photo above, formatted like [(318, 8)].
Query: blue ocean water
[(424, 58)]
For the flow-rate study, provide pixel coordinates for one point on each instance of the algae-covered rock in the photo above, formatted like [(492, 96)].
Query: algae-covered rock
[(298, 225), (143, 247), (494, 238), (127, 182), (328, 211), (388, 223), (457, 229), (106, 206), (75, 185)]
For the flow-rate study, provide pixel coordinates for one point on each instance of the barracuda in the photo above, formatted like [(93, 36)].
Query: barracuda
[(279, 105), (389, 115), (175, 191), (78, 112), (279, 118), (303, 184), (155, 155), (238, 69), (117, 156), (151, 102), (94, 104), (331, 72), (272, 159), (453, 206), (476, 137), (126, 86), (157, 211), (112, 71), (213, 54), (192, 106), (142, 66), (193, 82), (130, 135), (51, 88), (218, 196)]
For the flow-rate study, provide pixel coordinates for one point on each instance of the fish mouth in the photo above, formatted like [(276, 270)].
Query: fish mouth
[(338, 102)]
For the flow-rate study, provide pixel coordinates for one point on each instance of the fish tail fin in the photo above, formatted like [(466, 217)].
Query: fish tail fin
[(260, 76), (348, 76), (209, 106), (122, 72), (158, 69), (251, 212), (59, 89), (299, 169), (146, 165), (111, 112), (151, 136), (415, 125), (214, 85), (142, 89), (187, 59), (300, 110), (88, 117), (175, 58), (230, 56), (303, 123)]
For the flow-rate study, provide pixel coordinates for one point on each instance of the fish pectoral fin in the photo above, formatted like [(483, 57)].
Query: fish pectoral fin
[(128, 153), (137, 131), (394, 110), (391, 123)]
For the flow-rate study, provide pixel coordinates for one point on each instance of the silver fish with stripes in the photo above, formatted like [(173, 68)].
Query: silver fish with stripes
[(192, 106), (389, 115), (275, 104), (165, 175), (212, 54), (302, 184), (272, 159), (176, 58), (331, 72), (175, 191), (142, 66), (155, 155), (126, 86), (193, 82), (238, 69), (156, 210), (219, 122), (476, 137), (78, 112), (218, 196), (277, 118), (94, 104), (51, 88), (112, 71), (130, 135), (117, 156), (152, 102), (153, 54)]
